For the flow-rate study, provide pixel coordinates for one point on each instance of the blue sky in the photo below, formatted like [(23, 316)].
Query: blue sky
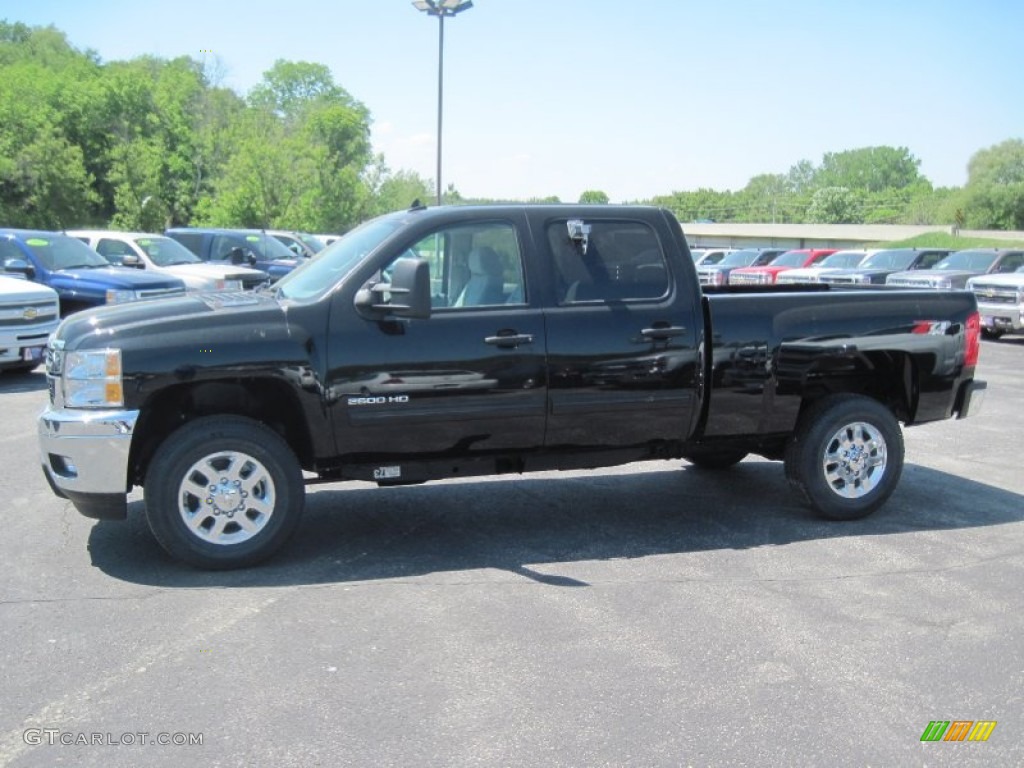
[(633, 98)]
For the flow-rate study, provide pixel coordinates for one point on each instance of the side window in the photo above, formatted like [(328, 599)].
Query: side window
[(929, 260), (190, 240), (8, 250), (623, 262), (475, 265), (221, 247), (1010, 263), (113, 251)]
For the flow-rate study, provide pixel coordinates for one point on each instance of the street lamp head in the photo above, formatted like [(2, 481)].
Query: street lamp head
[(442, 7)]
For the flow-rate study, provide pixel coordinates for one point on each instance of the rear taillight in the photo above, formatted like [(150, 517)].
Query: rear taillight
[(972, 339)]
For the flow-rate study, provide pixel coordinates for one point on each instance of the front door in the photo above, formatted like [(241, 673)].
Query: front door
[(468, 380)]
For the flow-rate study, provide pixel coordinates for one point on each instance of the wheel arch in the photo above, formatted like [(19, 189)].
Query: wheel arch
[(270, 402)]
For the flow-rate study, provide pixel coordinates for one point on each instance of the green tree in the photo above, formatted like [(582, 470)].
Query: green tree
[(594, 196), (835, 205), (995, 187), (870, 169)]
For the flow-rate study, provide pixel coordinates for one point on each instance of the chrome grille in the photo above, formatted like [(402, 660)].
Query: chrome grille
[(159, 293), (993, 294), (27, 314)]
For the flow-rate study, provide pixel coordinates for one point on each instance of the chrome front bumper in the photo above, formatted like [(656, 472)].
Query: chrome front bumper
[(85, 457)]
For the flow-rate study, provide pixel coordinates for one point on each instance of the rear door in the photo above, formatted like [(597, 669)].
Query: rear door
[(622, 338)]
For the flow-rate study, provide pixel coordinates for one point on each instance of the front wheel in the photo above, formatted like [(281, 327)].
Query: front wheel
[(846, 456), (223, 492), (992, 334)]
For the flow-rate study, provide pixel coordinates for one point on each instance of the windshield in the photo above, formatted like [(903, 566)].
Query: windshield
[(63, 252), (739, 259), (165, 252), (317, 276), (843, 259), (898, 260), (969, 261), (791, 259)]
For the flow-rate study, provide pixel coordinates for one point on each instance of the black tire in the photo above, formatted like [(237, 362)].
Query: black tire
[(992, 335), (846, 456), (237, 483), (716, 460)]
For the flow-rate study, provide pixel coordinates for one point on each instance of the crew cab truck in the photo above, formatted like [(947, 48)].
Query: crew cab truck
[(80, 276), (461, 341)]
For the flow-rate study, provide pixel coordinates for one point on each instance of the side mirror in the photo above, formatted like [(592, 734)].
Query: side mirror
[(131, 260), (409, 291), (20, 267)]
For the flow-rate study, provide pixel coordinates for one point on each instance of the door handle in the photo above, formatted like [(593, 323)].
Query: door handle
[(509, 340), (668, 332)]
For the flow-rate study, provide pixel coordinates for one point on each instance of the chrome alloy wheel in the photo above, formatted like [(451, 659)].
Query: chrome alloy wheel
[(226, 498), (854, 460)]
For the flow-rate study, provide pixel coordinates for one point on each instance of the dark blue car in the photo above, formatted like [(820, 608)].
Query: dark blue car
[(81, 277), (246, 247)]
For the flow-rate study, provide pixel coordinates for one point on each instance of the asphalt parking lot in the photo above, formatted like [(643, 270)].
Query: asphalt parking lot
[(648, 615)]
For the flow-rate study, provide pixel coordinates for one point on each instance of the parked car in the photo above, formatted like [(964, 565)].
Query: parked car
[(847, 259), (161, 254), (709, 256), (769, 273), (299, 243), (718, 274), (874, 270), (81, 277), (1000, 302), (29, 313), (326, 239), (953, 272), (239, 247)]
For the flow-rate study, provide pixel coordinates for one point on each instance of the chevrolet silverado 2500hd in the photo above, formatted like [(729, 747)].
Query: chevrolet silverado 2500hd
[(455, 341)]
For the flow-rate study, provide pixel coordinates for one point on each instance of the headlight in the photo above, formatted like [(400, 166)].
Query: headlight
[(119, 297), (944, 284), (92, 379), (227, 285), (718, 277), (862, 279)]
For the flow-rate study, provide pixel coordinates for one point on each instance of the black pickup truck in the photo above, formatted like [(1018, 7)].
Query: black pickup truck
[(460, 341)]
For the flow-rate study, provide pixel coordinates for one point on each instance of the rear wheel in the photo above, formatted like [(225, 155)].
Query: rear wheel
[(223, 492), (992, 334), (846, 456)]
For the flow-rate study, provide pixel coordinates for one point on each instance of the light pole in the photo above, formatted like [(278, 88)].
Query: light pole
[(441, 9)]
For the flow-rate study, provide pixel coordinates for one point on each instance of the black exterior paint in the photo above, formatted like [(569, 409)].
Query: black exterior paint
[(734, 366)]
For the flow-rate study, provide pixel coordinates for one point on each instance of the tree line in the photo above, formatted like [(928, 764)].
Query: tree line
[(150, 143)]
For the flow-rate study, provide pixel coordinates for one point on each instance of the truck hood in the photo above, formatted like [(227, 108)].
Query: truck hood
[(17, 289), (103, 278), (931, 275), (1012, 280), (179, 321), (212, 271)]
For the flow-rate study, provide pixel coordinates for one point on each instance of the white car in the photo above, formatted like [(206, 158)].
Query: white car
[(839, 260), (1000, 302), (29, 313), (157, 253)]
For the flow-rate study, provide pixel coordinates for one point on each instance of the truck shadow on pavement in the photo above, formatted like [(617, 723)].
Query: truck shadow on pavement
[(358, 533), (23, 382)]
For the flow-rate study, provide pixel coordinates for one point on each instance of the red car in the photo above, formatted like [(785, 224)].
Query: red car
[(766, 275)]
